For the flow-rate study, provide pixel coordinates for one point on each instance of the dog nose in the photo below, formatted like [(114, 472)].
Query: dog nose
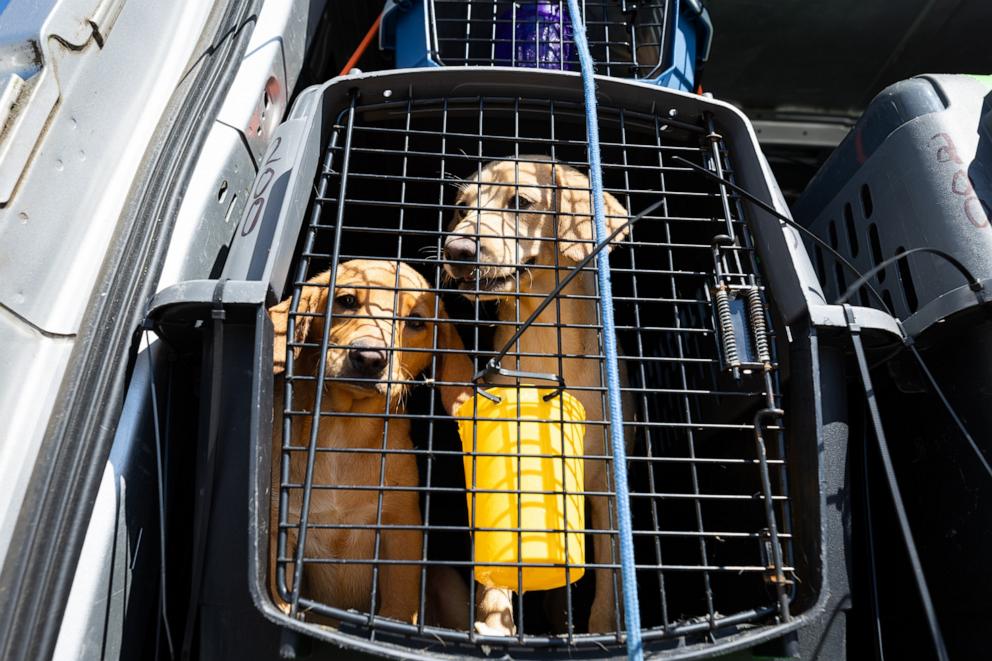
[(460, 249), (368, 359)]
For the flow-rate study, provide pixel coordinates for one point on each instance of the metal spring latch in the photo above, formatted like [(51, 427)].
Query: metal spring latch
[(740, 321), (756, 315), (725, 319)]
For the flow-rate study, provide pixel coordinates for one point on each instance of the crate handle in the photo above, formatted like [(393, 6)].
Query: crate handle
[(493, 368)]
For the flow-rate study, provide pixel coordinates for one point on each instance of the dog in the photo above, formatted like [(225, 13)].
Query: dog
[(382, 309), (495, 250)]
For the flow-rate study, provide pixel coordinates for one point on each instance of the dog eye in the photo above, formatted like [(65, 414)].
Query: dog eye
[(415, 321), (520, 203), (347, 301)]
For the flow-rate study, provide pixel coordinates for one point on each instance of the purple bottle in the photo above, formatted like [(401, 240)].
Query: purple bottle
[(535, 34)]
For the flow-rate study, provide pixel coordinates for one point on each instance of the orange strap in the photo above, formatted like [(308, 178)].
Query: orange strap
[(361, 47)]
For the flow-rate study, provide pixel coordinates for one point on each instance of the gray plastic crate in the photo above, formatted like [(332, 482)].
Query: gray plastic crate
[(382, 100), (915, 171), (810, 456)]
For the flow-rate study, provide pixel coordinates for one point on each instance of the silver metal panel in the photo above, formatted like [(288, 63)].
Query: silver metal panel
[(259, 96), (56, 229), (212, 206), (36, 41), (218, 194)]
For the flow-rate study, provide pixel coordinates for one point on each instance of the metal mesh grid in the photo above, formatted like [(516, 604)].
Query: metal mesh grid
[(627, 39), (389, 189)]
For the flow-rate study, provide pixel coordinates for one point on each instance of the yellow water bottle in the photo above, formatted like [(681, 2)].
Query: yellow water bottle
[(524, 455)]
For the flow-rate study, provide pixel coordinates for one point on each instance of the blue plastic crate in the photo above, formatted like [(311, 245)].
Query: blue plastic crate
[(659, 41)]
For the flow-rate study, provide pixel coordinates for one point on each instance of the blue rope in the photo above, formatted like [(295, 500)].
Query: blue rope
[(632, 613)]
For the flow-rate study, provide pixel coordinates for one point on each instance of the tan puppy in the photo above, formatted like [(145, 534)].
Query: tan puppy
[(498, 250), (381, 310)]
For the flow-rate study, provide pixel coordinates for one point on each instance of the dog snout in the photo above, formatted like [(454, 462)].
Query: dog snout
[(460, 249), (461, 253), (368, 358)]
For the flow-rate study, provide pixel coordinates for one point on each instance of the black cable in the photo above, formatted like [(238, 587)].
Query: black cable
[(973, 283), (889, 469), (573, 273), (206, 469), (899, 348), (164, 619), (785, 219), (870, 537), (947, 405), (976, 286), (902, 518)]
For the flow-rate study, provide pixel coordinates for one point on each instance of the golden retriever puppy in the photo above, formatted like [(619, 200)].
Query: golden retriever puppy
[(516, 217), (382, 310)]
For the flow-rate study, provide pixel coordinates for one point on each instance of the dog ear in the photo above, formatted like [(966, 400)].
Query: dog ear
[(313, 299), (452, 365), (575, 221)]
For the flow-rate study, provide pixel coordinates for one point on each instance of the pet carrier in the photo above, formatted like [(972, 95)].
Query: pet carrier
[(914, 172), (733, 401), (913, 176), (661, 41)]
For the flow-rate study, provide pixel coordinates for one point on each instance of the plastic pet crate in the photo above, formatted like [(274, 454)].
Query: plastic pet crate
[(916, 172), (708, 568), (660, 41), (734, 404)]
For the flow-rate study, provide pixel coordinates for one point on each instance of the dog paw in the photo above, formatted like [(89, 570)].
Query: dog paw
[(495, 629)]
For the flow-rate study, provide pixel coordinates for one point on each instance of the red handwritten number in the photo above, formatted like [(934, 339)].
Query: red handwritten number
[(947, 152), (961, 184), (977, 212), (261, 187)]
